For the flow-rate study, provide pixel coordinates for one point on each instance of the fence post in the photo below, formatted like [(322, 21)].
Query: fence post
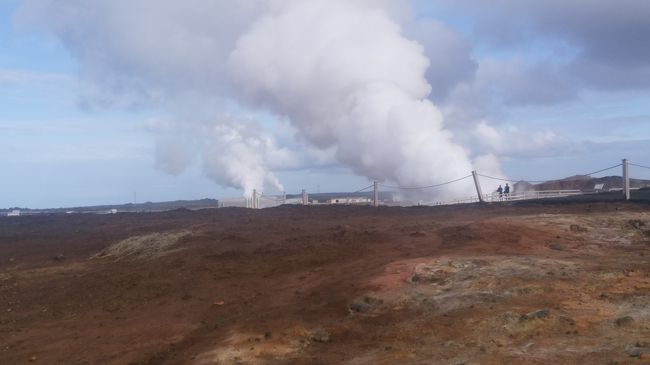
[(305, 197), (478, 187), (626, 180), (375, 195)]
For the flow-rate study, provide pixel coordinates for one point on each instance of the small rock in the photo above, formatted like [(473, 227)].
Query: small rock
[(320, 335), (624, 321), (365, 304), (373, 301), (577, 228), (464, 265), (268, 335), (12, 259), (59, 257), (538, 314), (568, 320), (636, 223), (556, 247), (33, 358), (429, 274), (633, 351), (360, 307), (418, 234)]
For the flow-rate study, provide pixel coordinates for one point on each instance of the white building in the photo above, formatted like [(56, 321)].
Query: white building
[(349, 200), (14, 213)]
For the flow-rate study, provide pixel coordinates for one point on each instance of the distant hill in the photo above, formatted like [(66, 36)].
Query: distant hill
[(582, 182), (130, 207)]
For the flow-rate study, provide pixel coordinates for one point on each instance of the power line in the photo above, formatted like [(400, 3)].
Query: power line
[(360, 190), (510, 180), (425, 187), (609, 168), (633, 164), (543, 181)]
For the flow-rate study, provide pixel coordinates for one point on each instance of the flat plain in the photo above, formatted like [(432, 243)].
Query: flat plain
[(500, 284)]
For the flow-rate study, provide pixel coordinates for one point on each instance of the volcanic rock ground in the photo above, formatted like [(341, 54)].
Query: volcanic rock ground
[(526, 284)]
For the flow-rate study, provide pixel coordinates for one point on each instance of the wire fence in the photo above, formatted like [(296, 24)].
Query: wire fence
[(399, 195), (427, 186), (380, 193), (612, 187)]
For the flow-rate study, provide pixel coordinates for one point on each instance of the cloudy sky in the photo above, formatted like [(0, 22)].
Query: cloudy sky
[(175, 100)]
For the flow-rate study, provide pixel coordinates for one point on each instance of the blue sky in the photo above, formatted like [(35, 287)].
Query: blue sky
[(56, 151)]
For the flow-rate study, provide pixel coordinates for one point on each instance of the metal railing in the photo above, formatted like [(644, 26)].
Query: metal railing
[(533, 194)]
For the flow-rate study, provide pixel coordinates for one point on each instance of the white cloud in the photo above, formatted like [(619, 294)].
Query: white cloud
[(511, 141)]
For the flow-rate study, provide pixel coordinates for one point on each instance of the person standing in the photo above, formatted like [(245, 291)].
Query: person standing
[(506, 191), (500, 191)]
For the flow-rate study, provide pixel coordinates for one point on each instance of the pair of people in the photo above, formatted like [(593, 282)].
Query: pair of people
[(503, 191)]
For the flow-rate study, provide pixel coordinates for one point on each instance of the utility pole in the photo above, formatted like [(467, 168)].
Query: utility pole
[(626, 180), (477, 183), (375, 195)]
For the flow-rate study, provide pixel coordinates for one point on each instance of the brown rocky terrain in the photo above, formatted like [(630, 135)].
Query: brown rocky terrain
[(520, 284)]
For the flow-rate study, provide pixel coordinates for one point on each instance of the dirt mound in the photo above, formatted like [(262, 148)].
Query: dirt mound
[(143, 247)]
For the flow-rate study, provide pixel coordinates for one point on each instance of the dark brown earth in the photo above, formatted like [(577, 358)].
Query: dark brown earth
[(530, 284)]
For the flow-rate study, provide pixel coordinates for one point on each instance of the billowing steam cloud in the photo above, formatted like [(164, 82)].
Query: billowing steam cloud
[(341, 72), (233, 151), (349, 79)]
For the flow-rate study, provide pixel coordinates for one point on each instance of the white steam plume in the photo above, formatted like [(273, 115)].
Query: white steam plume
[(346, 77), (233, 151), (340, 71)]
